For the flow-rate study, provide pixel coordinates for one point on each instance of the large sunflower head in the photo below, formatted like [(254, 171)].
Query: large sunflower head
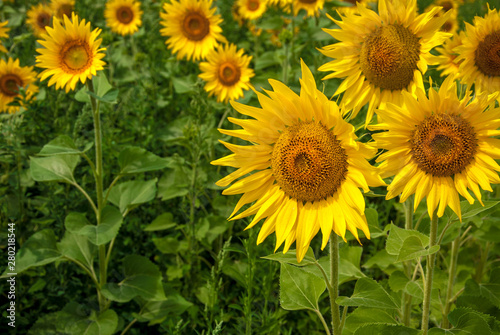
[(312, 7), (62, 7), (12, 77), (3, 34), (479, 54), (123, 16), (71, 53), (381, 55), (439, 146), (226, 73), (39, 17), (251, 9), (307, 167), (447, 55), (192, 28)]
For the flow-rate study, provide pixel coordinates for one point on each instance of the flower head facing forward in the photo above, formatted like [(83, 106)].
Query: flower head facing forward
[(123, 16), (312, 7), (12, 77), (251, 9), (308, 167), (62, 7), (71, 53), (39, 17)]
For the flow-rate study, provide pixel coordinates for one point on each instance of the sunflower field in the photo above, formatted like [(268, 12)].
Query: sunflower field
[(250, 167)]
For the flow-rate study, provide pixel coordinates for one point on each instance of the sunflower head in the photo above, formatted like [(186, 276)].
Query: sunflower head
[(39, 17), (123, 16), (62, 7), (447, 55), (312, 7), (305, 163), (3, 34), (251, 9), (71, 53), (12, 78)]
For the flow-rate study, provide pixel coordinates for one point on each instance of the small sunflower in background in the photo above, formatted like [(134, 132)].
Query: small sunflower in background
[(447, 55), (62, 7), (123, 16), (312, 7), (251, 9), (439, 147), (70, 53), (227, 73), (308, 167), (192, 28), (39, 17), (4, 34), (451, 24), (12, 77), (351, 5), (479, 54), (382, 55)]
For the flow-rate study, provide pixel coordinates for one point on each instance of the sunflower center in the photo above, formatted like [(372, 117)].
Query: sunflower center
[(447, 5), (389, 56), (75, 56), (195, 26), (443, 144), (229, 74), (124, 14), (253, 5), (446, 26), (43, 20), (308, 162), (488, 54), (64, 9), (9, 84)]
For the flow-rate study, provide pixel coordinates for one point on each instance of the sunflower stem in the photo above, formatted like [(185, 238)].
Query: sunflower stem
[(408, 205), (334, 282), (431, 259), (455, 246)]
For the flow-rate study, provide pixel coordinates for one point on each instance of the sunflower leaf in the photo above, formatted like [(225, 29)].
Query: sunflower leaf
[(369, 293), (137, 160), (397, 236), (54, 168), (299, 289), (62, 145), (412, 248), (386, 329)]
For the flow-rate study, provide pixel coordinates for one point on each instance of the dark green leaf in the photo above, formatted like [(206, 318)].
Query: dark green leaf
[(386, 329), (104, 323), (299, 289), (129, 194), (162, 222), (397, 236), (369, 293), (412, 248), (77, 247), (364, 315), (62, 145), (170, 245), (137, 160), (157, 310), (97, 234), (54, 168)]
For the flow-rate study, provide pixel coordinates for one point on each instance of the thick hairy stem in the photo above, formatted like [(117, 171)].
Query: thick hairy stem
[(431, 259)]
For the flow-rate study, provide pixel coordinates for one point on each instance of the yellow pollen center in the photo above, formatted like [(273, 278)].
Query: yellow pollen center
[(43, 20), (75, 57), (9, 84), (308, 162), (124, 14), (488, 55), (195, 26), (229, 74), (253, 5), (443, 144), (389, 56)]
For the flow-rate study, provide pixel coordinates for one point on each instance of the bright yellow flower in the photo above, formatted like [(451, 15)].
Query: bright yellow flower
[(439, 146), (308, 167), (312, 7), (3, 34), (123, 16), (446, 59), (71, 53), (62, 7), (251, 9), (226, 73), (39, 17), (382, 55), (12, 77), (192, 27)]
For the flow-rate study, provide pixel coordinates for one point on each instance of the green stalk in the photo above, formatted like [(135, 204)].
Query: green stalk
[(407, 298), (334, 282), (455, 246), (431, 259)]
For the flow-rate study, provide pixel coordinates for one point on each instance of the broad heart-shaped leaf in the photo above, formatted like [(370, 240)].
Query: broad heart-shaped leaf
[(111, 221), (129, 194), (77, 247), (490, 290), (369, 293), (468, 321), (137, 160), (104, 323), (397, 236), (54, 168), (412, 248), (158, 310), (299, 289), (364, 315), (469, 211), (62, 145), (162, 222), (385, 329), (38, 250), (142, 278), (291, 258)]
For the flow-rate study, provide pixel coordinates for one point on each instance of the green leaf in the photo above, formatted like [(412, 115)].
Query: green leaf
[(174, 183), (111, 221), (363, 315), (373, 224), (215, 226), (142, 278), (386, 329), (170, 245), (299, 289), (397, 236), (412, 248), (469, 211), (137, 160), (183, 85), (468, 321), (162, 222), (291, 258), (101, 85), (62, 145), (490, 290), (130, 194), (369, 293), (398, 281), (104, 323), (382, 260), (157, 310), (77, 247), (54, 168)]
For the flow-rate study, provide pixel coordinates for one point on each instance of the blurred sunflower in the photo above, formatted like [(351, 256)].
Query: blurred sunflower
[(351, 5), (479, 54), (312, 7), (123, 16), (446, 58), (39, 17), (381, 55), (62, 7), (251, 9), (451, 24), (439, 146), (192, 27), (71, 53), (226, 73), (309, 167), (3, 34), (12, 77)]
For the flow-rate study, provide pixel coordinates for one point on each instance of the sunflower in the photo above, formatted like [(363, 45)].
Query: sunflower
[(451, 24), (12, 77), (446, 59), (351, 5), (479, 54), (62, 7), (439, 146), (71, 53), (39, 17), (123, 16), (312, 7), (308, 164), (382, 55), (3, 34), (226, 73), (251, 9)]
